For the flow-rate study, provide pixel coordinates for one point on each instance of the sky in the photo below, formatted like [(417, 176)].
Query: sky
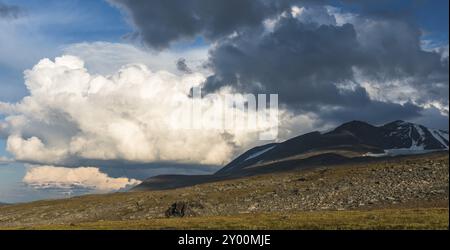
[(87, 87)]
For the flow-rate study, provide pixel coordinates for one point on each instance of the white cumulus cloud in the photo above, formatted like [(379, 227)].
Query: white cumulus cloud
[(71, 116), (69, 178)]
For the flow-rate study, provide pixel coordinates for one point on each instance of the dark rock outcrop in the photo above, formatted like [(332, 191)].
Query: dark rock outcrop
[(182, 209)]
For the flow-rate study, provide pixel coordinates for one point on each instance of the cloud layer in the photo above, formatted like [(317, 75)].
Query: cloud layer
[(44, 177)]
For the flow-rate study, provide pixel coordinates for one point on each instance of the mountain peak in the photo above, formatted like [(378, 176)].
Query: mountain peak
[(355, 127), (356, 122), (397, 123)]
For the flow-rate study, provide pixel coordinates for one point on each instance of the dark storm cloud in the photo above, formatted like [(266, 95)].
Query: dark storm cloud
[(305, 63), (375, 112), (9, 11), (160, 22), (301, 62), (307, 59), (393, 50)]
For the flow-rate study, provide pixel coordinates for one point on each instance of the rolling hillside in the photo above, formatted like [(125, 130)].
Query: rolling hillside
[(398, 192)]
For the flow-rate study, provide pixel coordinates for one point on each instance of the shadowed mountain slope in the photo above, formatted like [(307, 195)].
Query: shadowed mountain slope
[(354, 141)]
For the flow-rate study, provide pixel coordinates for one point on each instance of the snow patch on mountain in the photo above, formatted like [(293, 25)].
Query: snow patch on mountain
[(440, 136), (416, 144), (260, 153), (370, 154)]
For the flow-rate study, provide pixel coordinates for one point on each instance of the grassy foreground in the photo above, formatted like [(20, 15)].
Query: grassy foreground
[(426, 218)]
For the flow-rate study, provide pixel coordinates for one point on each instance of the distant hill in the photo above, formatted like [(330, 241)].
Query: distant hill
[(354, 141)]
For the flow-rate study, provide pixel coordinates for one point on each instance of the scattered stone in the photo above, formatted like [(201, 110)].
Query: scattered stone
[(182, 209), (179, 209)]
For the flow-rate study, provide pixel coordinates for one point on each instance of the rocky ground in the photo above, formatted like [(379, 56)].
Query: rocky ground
[(403, 182)]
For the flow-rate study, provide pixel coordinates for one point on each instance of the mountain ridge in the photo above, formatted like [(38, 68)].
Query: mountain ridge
[(354, 141), (356, 136)]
